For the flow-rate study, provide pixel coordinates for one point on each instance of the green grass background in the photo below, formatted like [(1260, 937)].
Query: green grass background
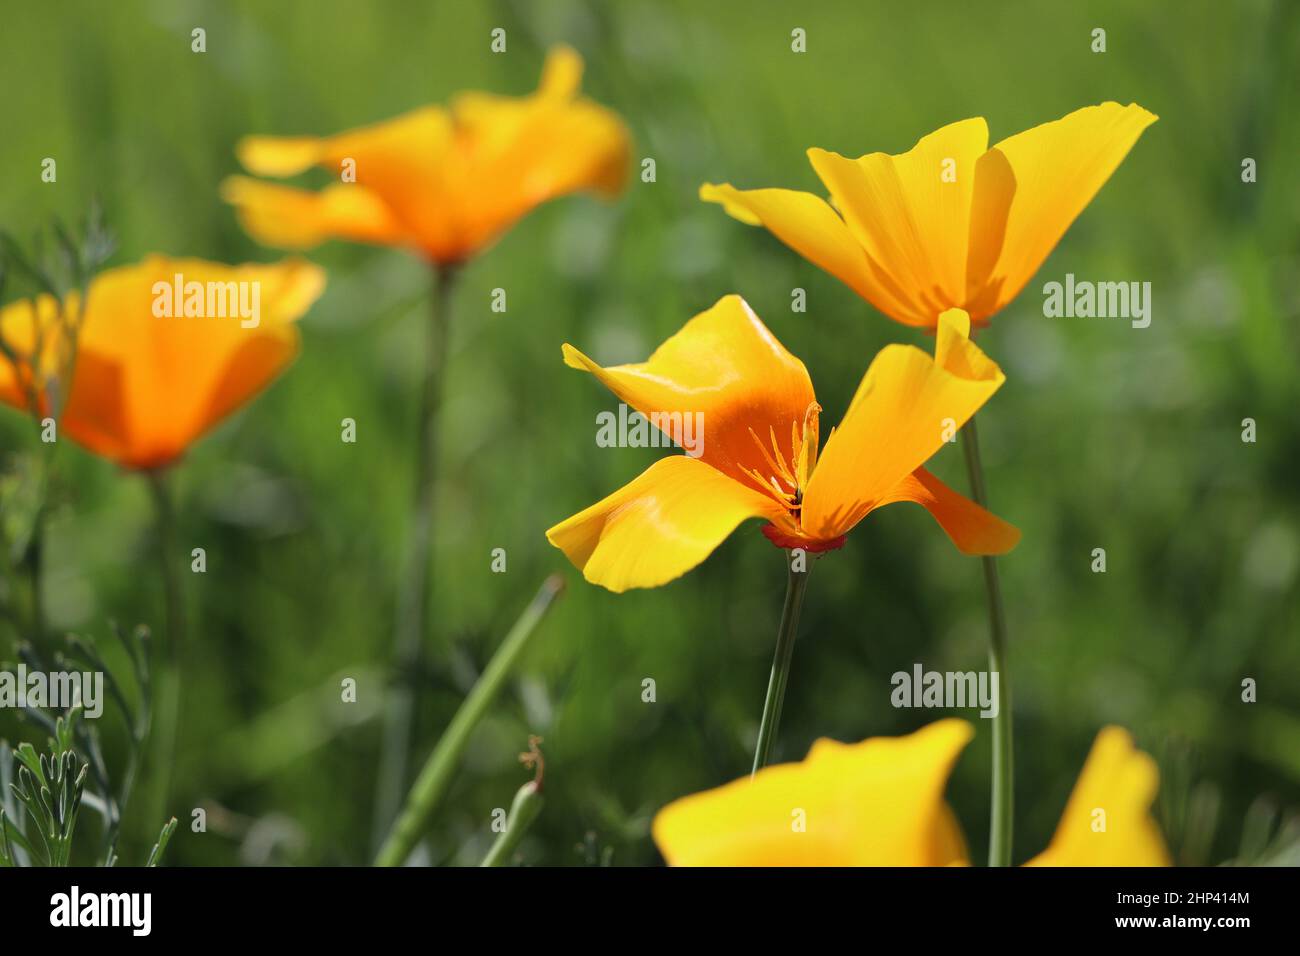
[(1104, 435)]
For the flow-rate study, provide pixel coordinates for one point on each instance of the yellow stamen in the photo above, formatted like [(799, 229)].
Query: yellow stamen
[(807, 455), (786, 473), (770, 486), (795, 471), (777, 469)]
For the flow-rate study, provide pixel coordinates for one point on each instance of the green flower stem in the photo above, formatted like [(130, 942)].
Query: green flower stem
[(796, 585), (527, 805), (431, 785), (169, 684), (414, 595), (34, 560), (1003, 796)]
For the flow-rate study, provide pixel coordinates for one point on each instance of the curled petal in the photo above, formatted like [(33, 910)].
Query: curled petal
[(724, 366), (971, 528)]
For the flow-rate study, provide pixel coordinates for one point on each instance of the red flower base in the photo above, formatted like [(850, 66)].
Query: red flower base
[(783, 539)]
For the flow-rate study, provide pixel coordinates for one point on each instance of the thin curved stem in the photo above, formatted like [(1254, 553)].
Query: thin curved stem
[(1002, 796), (796, 585)]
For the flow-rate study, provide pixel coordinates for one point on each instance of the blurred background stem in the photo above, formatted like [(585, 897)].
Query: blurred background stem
[(170, 675), (34, 563), (414, 596), (1002, 796), (435, 778), (796, 585)]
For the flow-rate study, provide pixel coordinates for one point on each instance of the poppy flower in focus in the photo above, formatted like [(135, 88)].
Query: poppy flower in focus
[(880, 803), (951, 223), (444, 180), (760, 453), (164, 351)]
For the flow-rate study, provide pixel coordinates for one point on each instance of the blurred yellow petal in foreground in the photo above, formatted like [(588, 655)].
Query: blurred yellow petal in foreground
[(165, 350), (880, 803), (444, 180), (877, 803), (1106, 822)]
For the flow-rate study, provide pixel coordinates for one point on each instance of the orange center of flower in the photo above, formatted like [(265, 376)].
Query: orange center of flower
[(787, 479)]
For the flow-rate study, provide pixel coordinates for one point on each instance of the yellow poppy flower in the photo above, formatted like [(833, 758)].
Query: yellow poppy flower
[(445, 181), (950, 223), (759, 450), (165, 350), (880, 803)]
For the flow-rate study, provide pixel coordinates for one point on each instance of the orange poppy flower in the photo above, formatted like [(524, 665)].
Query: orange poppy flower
[(165, 350), (950, 223), (761, 456), (446, 181), (880, 803)]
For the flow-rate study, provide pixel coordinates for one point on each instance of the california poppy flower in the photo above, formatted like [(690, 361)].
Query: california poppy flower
[(951, 223), (762, 456), (444, 180), (880, 803), (165, 349)]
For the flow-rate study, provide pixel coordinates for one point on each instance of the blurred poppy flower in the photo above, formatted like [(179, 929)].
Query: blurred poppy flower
[(444, 180), (760, 455), (880, 803), (164, 350), (950, 223)]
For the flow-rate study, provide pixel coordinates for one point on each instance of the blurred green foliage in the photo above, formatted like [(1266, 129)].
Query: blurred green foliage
[(1104, 436)]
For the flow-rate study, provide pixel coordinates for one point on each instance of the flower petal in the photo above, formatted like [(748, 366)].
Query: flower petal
[(876, 803), (659, 526), (280, 156), (972, 529), (96, 413), (523, 156), (1107, 821), (911, 214), (1033, 185), (727, 366), (905, 404), (22, 324), (290, 218), (811, 228)]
